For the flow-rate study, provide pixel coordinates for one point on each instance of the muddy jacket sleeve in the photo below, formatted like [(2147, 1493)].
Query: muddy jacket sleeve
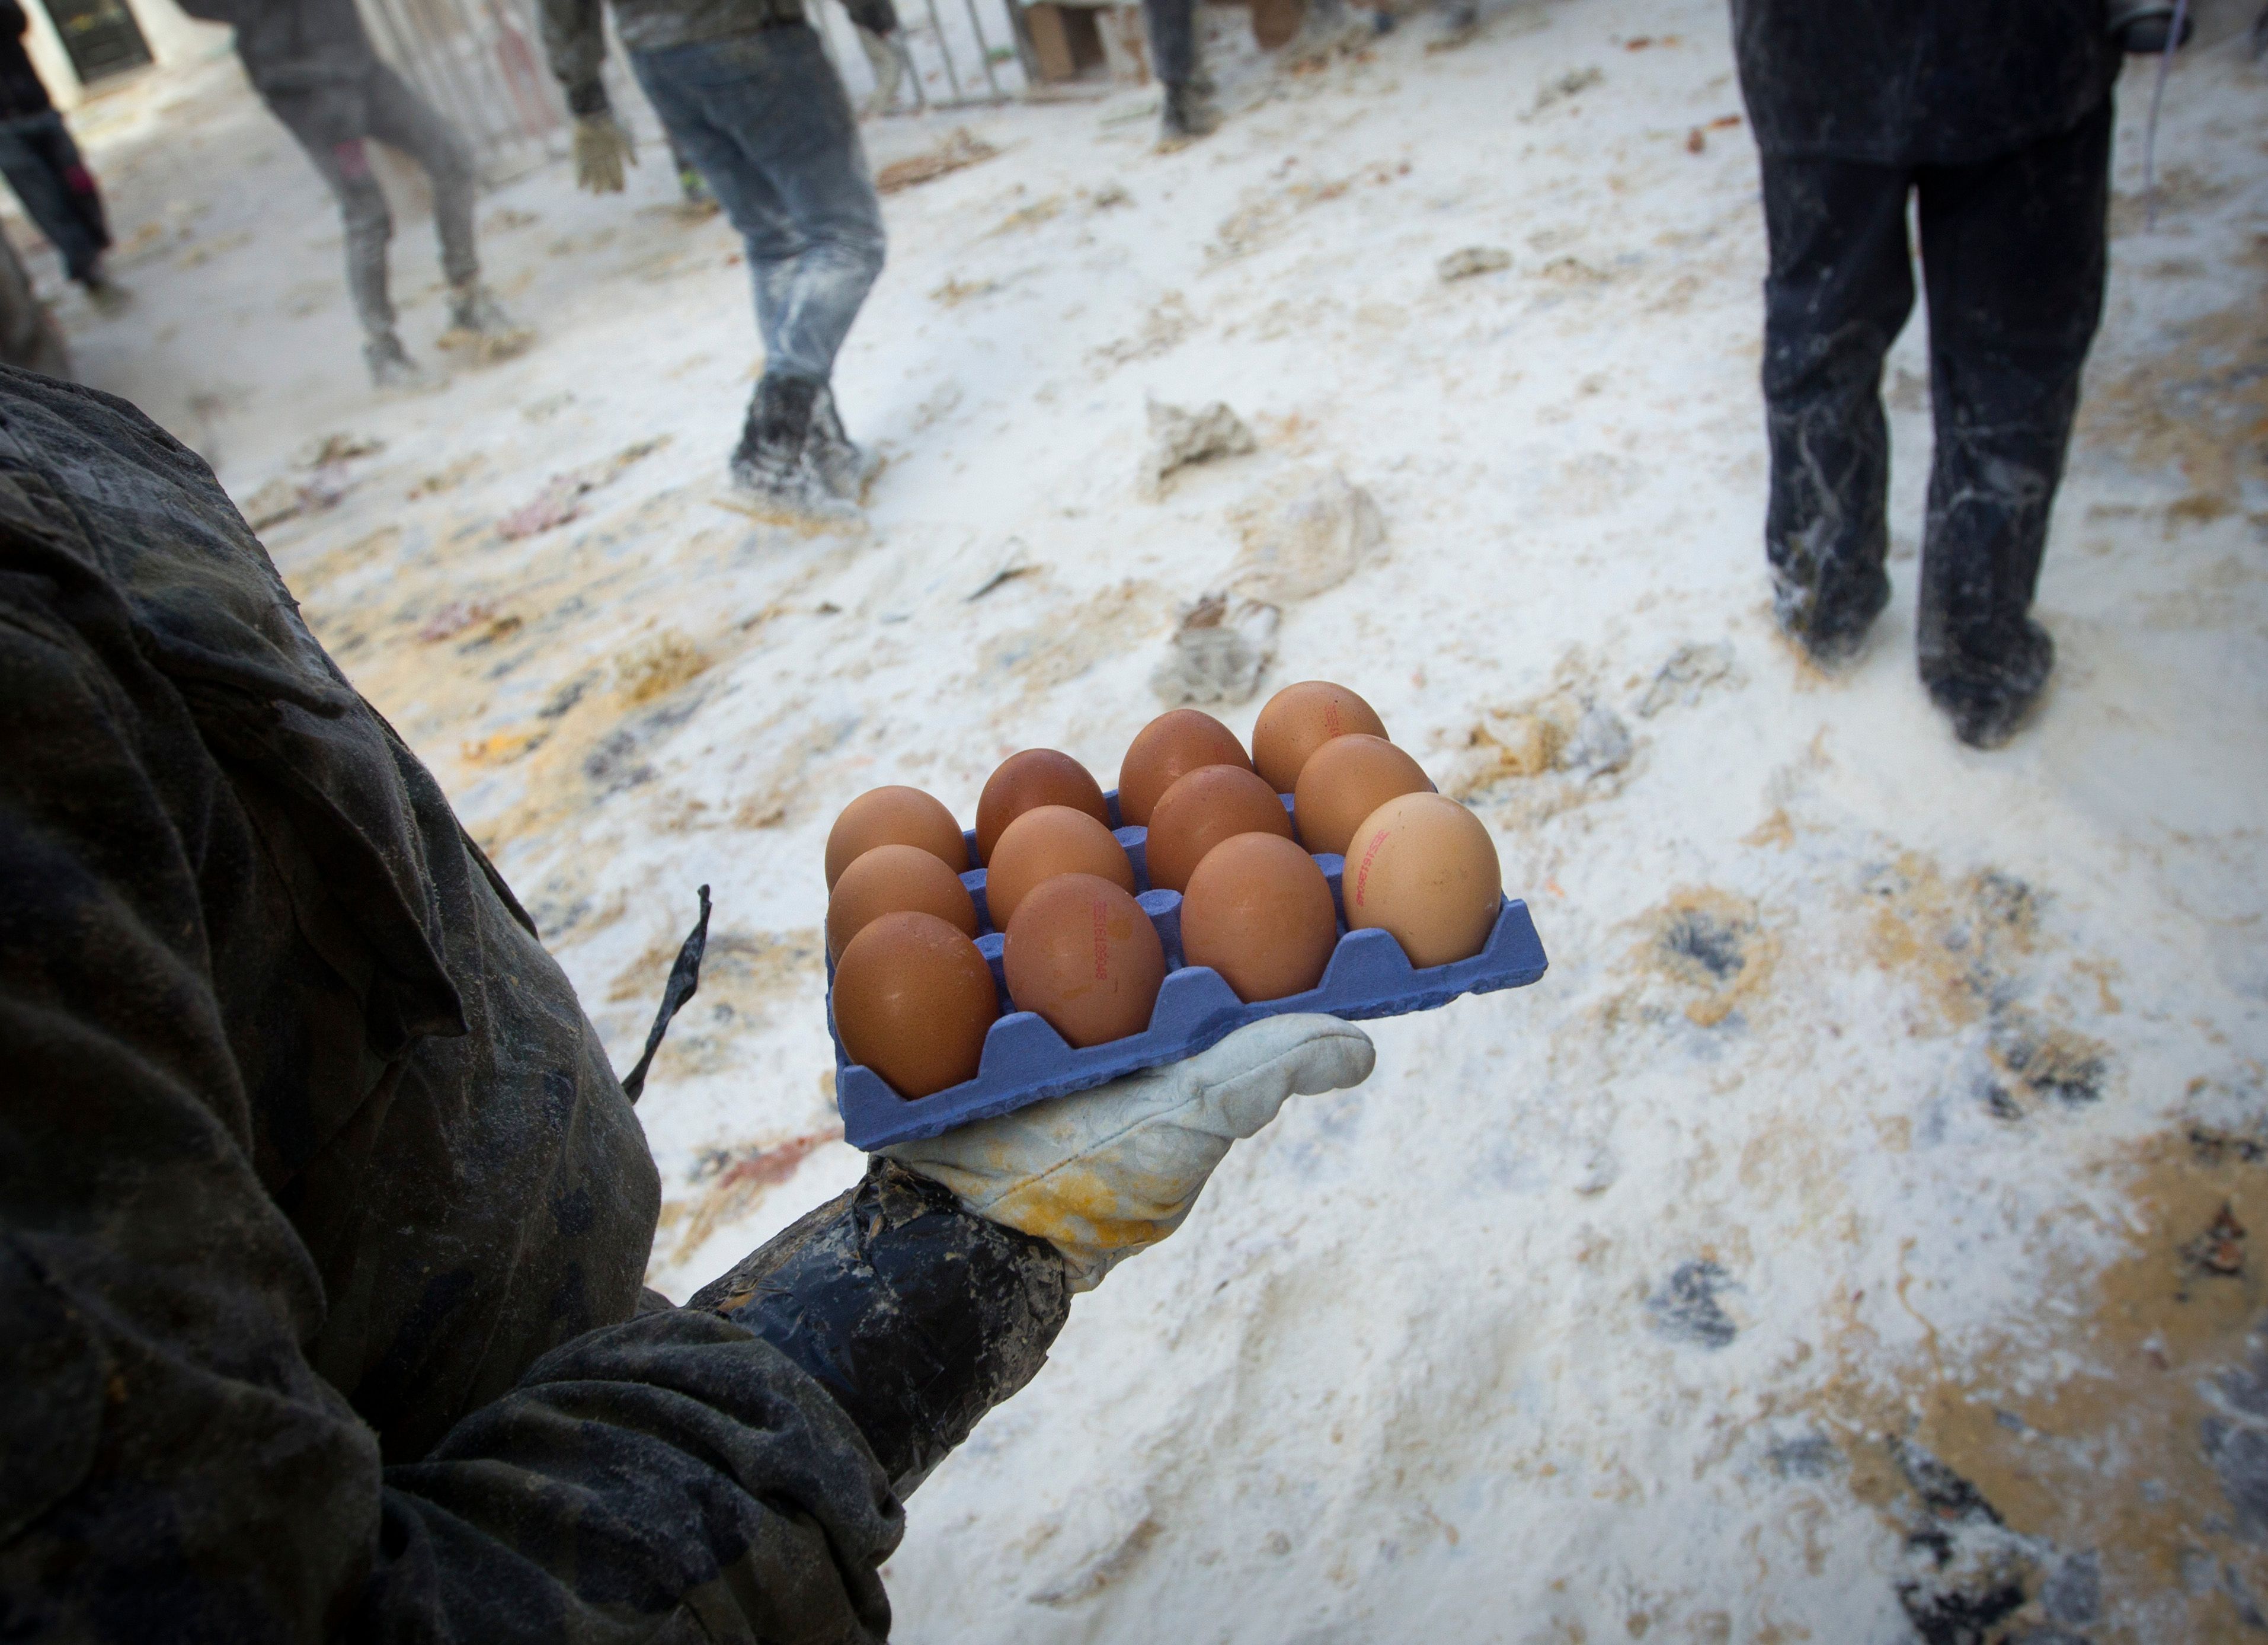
[(321, 1219)]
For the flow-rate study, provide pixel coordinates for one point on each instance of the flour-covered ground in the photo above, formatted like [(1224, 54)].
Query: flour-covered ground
[(1829, 1248)]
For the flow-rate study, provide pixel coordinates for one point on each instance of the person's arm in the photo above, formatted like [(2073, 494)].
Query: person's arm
[(575, 40), (169, 1462)]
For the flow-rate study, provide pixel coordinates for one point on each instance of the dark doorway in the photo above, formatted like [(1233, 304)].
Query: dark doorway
[(101, 35)]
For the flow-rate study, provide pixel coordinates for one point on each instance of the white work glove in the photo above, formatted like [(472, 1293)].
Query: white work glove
[(1102, 1174), (602, 145)]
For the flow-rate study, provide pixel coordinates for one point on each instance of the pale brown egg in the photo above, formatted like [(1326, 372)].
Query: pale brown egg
[(1036, 777), (1043, 843), (1169, 747), (1258, 910), (1203, 807), (1423, 868), (1344, 781), (913, 998), (1082, 953), (896, 880), (1300, 718), (893, 816)]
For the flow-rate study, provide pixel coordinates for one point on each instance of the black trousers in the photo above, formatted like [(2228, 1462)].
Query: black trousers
[(1173, 38), (2013, 253), (58, 193)]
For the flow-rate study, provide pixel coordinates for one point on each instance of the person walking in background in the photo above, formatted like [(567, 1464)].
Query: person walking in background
[(1997, 118), (746, 93), (43, 166), (314, 65), (1186, 110)]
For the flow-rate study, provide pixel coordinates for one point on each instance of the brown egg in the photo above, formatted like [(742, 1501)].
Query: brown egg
[(1164, 749), (913, 998), (1300, 718), (896, 880), (1043, 843), (1202, 808), (1424, 868), (1344, 782), (893, 816), (1082, 953), (1037, 776), (1258, 910)]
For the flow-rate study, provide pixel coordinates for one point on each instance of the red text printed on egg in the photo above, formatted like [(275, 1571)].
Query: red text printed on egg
[(1362, 874), (1101, 940)]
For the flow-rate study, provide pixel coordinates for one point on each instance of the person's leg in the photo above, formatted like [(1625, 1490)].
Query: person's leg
[(1186, 109), (62, 152), (344, 164), (770, 126), (679, 82), (2013, 254), (818, 247), (1172, 27), (401, 119), (28, 159), (1839, 288)]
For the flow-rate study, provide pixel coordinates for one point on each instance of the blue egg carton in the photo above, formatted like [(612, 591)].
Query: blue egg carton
[(1025, 1061)]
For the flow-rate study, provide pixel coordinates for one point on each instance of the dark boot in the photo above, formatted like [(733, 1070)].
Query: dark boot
[(844, 465), (1187, 114), (774, 465), (1988, 694), (1826, 607), (392, 368)]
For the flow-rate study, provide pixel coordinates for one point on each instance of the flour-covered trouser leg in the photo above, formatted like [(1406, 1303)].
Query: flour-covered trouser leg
[(1839, 289), (2012, 258), (771, 129)]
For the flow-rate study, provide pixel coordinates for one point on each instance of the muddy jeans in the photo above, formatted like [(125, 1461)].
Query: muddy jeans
[(332, 123), (765, 119), (43, 166), (2012, 252)]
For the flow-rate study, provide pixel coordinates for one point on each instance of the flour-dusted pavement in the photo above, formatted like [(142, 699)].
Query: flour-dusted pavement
[(1850, 1240)]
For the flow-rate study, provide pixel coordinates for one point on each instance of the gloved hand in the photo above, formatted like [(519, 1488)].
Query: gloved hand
[(1102, 1174), (602, 145)]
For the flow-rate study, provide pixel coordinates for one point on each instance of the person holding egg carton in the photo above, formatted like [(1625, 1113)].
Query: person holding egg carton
[(1099, 935), (326, 1220)]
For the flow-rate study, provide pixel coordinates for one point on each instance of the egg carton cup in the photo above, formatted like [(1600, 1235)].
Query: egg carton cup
[(1025, 1060)]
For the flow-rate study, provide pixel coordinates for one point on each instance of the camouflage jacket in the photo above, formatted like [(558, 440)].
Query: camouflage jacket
[(322, 1217)]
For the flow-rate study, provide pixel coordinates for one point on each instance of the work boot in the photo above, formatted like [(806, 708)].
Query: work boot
[(1187, 114), (391, 366), (105, 295), (1827, 611), (845, 466), (1330, 29), (1460, 19), (775, 467), (479, 326), (1988, 692)]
